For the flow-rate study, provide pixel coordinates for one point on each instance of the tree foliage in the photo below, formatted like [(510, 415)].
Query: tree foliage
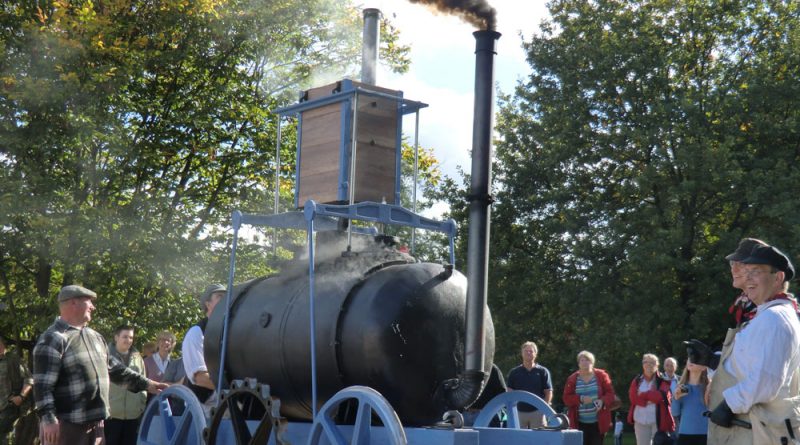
[(131, 129), (649, 138)]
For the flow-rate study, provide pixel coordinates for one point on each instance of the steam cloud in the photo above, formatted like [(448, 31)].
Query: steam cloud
[(476, 12)]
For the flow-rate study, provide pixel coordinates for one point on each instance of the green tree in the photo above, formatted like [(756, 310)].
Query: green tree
[(648, 139), (131, 129)]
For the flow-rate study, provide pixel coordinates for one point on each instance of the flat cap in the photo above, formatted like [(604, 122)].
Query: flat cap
[(743, 250), (206, 295), (75, 291), (772, 257)]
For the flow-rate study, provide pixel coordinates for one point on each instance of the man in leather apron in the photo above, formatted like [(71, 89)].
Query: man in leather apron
[(755, 390)]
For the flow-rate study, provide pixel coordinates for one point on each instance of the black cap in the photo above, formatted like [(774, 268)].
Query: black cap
[(743, 250), (772, 257)]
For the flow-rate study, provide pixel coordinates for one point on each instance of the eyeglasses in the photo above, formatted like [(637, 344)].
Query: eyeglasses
[(649, 363), (756, 273)]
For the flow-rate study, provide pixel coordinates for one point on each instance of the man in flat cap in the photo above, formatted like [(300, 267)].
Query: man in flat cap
[(194, 362), (754, 392), (71, 372), (742, 309)]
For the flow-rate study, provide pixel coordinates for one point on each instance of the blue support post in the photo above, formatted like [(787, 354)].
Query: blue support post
[(309, 212), (236, 221)]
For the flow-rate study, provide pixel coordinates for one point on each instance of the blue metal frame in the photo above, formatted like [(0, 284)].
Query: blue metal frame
[(399, 152), (297, 160), (344, 150), (385, 214)]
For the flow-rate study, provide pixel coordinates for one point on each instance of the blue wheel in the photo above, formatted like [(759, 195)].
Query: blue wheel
[(174, 417), (508, 401), (325, 430)]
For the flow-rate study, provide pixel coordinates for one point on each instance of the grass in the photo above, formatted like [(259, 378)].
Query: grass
[(627, 438)]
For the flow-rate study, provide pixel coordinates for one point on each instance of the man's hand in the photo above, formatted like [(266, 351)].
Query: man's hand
[(16, 400), (154, 387), (722, 415), (699, 353), (48, 432)]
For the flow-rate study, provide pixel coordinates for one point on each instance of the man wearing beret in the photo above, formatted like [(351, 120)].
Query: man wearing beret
[(71, 372), (194, 363), (755, 387)]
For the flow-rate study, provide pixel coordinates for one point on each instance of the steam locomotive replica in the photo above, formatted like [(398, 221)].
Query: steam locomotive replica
[(355, 341)]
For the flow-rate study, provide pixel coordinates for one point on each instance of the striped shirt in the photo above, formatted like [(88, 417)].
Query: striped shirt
[(587, 412), (71, 371)]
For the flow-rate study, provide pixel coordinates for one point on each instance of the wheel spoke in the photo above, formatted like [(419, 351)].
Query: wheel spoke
[(361, 429), (181, 429), (512, 415), (167, 423), (261, 435), (332, 433), (238, 421)]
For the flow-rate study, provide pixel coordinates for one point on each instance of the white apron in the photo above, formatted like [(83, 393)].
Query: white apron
[(723, 380), (768, 419)]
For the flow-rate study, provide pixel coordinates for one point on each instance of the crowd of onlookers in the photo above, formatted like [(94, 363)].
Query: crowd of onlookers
[(156, 361), (747, 393), (665, 407), (89, 390)]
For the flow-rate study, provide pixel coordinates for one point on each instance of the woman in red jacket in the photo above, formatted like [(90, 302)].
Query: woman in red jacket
[(588, 395), (650, 402)]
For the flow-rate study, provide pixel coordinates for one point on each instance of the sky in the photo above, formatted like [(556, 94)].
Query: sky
[(442, 69)]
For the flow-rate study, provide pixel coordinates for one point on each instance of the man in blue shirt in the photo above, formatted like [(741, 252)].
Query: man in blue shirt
[(534, 378)]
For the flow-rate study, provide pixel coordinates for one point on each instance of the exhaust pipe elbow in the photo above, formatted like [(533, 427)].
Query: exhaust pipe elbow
[(463, 390)]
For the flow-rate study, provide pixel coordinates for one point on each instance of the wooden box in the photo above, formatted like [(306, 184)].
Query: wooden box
[(326, 135)]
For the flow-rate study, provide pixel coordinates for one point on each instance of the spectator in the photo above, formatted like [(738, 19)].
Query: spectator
[(756, 381), (15, 390), (650, 402), (126, 407), (156, 364), (148, 349), (71, 372), (194, 362), (588, 395), (534, 378), (175, 374), (689, 399), (618, 430), (671, 373)]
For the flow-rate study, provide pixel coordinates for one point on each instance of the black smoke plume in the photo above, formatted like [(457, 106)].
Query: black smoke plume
[(476, 12)]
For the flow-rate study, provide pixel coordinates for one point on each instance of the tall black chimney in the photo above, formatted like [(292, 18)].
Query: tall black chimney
[(466, 389), (480, 199)]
